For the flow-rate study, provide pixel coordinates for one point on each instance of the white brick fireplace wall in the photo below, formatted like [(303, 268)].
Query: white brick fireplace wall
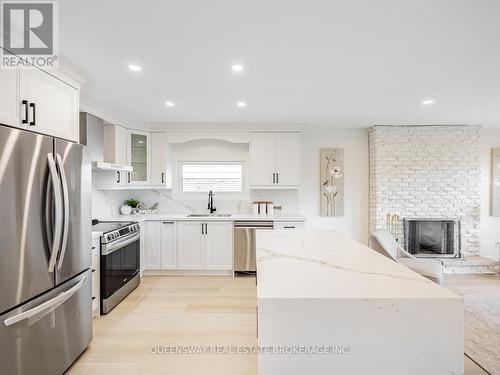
[(427, 172)]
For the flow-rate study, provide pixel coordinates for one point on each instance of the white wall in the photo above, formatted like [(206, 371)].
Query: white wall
[(355, 144), (490, 226)]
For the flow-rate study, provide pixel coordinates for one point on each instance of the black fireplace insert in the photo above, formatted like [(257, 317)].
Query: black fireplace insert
[(432, 237)]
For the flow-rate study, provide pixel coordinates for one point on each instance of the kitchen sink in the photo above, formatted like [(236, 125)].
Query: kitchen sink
[(209, 215)]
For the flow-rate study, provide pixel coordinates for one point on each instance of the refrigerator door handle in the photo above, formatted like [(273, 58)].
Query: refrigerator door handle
[(46, 307), (64, 183), (56, 186)]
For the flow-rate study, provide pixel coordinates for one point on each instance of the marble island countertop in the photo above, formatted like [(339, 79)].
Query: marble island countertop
[(319, 288), (329, 264), (233, 217)]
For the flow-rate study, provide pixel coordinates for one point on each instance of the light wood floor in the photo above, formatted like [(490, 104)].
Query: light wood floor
[(165, 311), (175, 311)]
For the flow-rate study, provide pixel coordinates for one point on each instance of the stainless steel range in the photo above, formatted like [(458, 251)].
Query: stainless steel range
[(120, 261)]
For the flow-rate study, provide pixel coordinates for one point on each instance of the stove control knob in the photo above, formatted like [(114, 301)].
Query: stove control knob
[(109, 237)]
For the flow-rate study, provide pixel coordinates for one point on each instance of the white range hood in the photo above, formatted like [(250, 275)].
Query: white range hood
[(103, 166)]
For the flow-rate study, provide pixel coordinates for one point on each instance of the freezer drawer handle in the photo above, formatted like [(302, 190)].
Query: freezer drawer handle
[(64, 184), (46, 307), (58, 211)]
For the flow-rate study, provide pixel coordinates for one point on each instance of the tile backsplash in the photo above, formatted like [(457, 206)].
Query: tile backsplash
[(108, 203)]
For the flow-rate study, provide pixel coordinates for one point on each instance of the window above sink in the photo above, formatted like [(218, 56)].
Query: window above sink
[(226, 179), (223, 177)]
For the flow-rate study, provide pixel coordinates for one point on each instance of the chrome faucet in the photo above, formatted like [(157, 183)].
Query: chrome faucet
[(211, 207)]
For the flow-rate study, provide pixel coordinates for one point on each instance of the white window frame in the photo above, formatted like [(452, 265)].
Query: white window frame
[(179, 194)]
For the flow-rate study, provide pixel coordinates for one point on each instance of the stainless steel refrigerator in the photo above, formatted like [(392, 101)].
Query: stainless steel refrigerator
[(45, 253)]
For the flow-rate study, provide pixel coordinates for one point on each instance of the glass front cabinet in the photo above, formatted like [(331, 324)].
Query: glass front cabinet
[(138, 156)]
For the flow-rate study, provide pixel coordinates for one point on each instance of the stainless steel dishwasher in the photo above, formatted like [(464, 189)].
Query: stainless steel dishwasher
[(244, 244)]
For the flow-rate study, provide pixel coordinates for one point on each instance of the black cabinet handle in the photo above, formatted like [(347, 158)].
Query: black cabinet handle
[(93, 247), (33, 123), (168, 222), (129, 177), (25, 119), (274, 178), (206, 228), (162, 177), (117, 177), (277, 178)]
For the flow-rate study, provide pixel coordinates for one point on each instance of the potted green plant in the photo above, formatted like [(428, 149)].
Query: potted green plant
[(129, 206)]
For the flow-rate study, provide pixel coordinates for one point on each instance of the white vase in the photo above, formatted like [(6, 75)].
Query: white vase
[(125, 210)]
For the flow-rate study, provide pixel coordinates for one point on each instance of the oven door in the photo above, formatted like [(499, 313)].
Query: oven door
[(119, 263)]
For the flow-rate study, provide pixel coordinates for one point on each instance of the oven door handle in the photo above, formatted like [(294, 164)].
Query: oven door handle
[(113, 246)]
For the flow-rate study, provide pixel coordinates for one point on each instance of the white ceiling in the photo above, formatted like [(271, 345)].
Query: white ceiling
[(332, 63)]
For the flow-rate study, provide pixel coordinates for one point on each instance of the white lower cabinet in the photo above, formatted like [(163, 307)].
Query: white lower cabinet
[(219, 246), (161, 245), (189, 245), (289, 225), (168, 239), (153, 246), (96, 276)]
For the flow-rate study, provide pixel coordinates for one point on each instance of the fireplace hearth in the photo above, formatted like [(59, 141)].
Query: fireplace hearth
[(432, 238)]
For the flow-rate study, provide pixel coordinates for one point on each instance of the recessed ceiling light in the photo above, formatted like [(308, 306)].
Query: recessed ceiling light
[(241, 104), (237, 68), (428, 102), (134, 68), (170, 104)]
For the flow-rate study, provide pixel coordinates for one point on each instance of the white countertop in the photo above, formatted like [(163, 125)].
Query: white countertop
[(184, 217), (329, 264), (96, 234)]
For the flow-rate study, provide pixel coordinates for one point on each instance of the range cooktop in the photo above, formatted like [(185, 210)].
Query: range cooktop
[(109, 226)]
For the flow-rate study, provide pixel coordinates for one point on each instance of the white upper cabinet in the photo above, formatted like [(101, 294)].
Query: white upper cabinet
[(149, 154), (115, 152), (10, 108), (219, 246), (138, 156), (288, 159), (53, 104), (161, 172), (115, 144), (158, 160), (35, 100), (275, 160), (262, 161)]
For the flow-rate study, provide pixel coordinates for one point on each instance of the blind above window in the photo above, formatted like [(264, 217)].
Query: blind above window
[(222, 178)]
